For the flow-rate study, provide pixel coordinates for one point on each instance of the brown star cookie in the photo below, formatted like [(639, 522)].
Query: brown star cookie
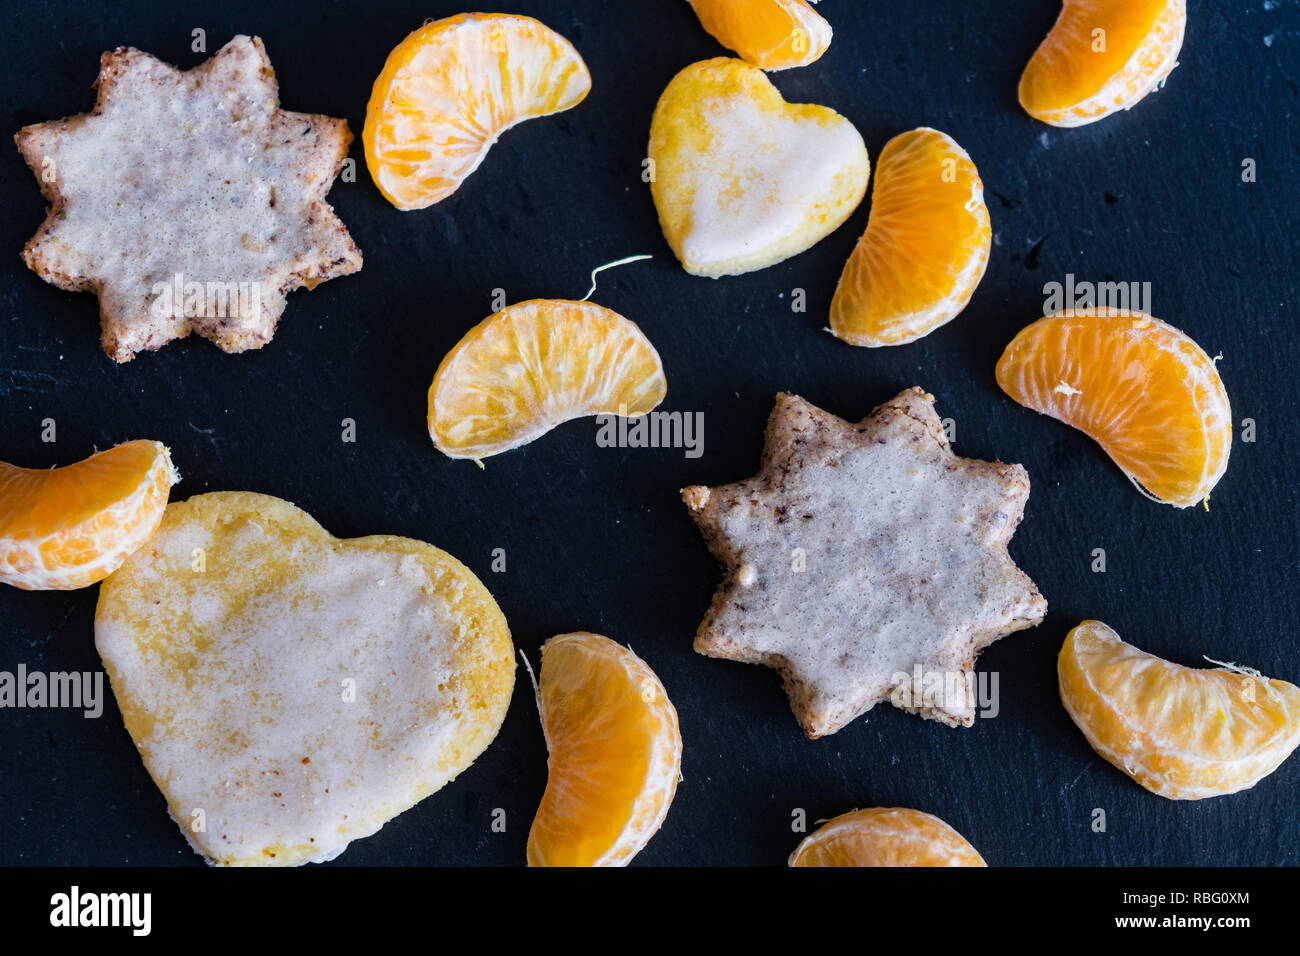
[(860, 553), (188, 201)]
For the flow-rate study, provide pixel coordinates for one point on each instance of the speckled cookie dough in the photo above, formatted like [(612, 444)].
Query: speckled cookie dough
[(861, 552), (188, 201)]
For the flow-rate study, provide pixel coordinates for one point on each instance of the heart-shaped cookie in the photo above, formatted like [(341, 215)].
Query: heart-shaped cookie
[(741, 178), (290, 691)]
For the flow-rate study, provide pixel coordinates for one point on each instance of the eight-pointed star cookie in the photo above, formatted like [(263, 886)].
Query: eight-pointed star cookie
[(188, 201), (861, 552)]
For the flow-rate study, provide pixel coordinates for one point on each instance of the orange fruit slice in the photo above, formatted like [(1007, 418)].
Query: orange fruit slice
[(1184, 733), (925, 248), (1143, 390), (537, 364), (1102, 56), (741, 179), (885, 836), (65, 528), (615, 754), (768, 34), (451, 88)]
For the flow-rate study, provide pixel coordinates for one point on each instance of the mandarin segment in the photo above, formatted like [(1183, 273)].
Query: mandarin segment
[(1140, 388), (66, 528), (537, 364), (925, 247), (885, 836), (1102, 56), (451, 88), (741, 179), (768, 34), (1183, 733), (615, 754)]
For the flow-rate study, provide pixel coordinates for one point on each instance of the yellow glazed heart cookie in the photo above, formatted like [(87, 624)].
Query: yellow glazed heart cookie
[(741, 178), (290, 691)]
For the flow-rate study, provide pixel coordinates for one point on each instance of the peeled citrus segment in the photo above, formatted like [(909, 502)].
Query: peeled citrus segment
[(1140, 388), (1102, 56), (768, 34), (66, 528), (451, 88), (885, 836), (925, 248), (741, 178), (615, 754), (1183, 733), (537, 364)]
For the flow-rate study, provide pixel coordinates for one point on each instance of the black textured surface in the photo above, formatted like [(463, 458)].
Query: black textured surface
[(597, 538)]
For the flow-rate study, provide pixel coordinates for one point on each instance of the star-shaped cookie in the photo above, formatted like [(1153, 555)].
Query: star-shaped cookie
[(188, 201), (865, 562)]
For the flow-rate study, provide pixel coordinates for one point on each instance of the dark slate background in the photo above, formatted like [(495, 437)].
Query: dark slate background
[(597, 538)]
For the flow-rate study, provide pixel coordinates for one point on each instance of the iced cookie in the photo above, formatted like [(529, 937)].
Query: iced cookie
[(290, 691), (188, 201), (741, 178), (861, 553)]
